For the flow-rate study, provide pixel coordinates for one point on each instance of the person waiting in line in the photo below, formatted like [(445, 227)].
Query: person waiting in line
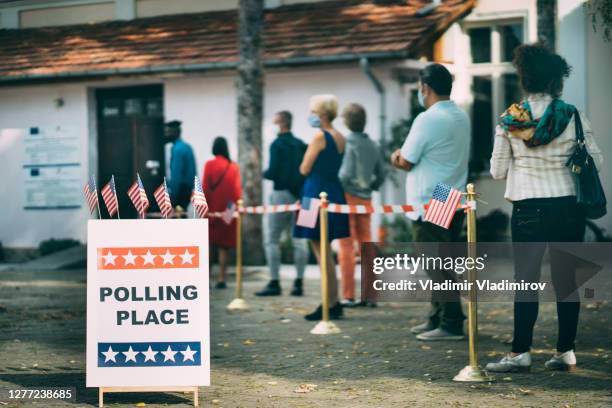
[(221, 185), (321, 164), (436, 151), (533, 142), (182, 166), (362, 172), (286, 154)]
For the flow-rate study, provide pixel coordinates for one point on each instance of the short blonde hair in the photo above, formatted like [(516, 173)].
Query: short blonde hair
[(325, 104)]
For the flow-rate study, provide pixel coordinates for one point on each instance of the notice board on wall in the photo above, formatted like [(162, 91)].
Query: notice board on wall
[(52, 173)]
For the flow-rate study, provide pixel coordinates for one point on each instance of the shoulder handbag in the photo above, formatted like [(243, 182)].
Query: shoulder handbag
[(589, 191)]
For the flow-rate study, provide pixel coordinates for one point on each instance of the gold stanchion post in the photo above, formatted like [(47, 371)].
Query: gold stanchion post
[(472, 372), (238, 303), (325, 326)]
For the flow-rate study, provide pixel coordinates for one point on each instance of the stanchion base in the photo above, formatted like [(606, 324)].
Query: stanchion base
[(238, 304), (473, 374), (324, 327)]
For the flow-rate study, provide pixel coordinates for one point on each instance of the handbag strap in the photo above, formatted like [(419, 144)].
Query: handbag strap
[(214, 186), (579, 129)]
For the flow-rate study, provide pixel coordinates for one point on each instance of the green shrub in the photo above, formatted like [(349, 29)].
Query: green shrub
[(52, 245)]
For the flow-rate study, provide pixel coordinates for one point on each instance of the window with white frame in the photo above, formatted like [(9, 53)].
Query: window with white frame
[(494, 83)]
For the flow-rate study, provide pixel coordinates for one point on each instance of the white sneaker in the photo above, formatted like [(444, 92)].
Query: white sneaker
[(439, 334), (508, 364), (563, 362)]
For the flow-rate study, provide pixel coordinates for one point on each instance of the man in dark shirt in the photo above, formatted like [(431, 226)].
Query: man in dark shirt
[(286, 154)]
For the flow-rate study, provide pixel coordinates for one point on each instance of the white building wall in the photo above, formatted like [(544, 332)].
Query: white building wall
[(572, 45), (25, 107), (598, 93), (205, 104)]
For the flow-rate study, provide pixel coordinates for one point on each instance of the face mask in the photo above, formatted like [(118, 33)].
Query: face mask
[(314, 121), (276, 128), (421, 98)]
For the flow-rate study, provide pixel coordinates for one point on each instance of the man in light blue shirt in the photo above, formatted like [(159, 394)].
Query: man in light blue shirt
[(436, 151)]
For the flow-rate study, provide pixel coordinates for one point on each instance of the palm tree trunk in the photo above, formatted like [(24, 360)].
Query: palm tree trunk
[(547, 20), (250, 102)]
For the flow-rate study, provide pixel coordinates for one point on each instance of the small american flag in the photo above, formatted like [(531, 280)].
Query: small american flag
[(309, 212), (91, 194), (163, 199), (138, 195), (443, 205), (228, 214), (198, 199), (109, 195)]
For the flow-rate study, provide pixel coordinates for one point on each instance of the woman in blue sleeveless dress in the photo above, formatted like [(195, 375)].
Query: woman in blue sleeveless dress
[(321, 164)]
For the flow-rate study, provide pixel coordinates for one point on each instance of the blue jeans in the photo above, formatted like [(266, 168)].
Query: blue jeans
[(276, 225)]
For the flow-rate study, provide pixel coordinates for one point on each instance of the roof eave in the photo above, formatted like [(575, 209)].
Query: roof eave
[(204, 67)]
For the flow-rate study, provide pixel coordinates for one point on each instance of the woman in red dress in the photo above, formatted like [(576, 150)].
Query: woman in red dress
[(221, 185)]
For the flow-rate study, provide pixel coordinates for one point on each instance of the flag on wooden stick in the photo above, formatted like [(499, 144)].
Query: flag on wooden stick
[(91, 194), (138, 195), (198, 200), (109, 195), (163, 199)]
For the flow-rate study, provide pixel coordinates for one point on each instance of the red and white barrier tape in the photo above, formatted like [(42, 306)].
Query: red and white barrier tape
[(268, 209), (332, 208), (219, 214), (338, 209), (369, 209)]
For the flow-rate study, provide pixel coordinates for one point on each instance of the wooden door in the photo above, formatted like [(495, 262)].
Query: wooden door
[(130, 141)]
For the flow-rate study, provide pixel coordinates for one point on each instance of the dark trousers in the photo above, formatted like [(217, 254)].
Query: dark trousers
[(539, 221), (183, 196), (447, 315)]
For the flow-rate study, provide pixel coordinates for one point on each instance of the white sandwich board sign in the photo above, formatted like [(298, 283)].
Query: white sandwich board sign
[(147, 303)]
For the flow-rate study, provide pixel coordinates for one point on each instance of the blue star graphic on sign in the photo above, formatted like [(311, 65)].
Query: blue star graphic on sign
[(150, 354)]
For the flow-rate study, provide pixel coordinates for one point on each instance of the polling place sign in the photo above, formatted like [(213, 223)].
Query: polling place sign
[(147, 303)]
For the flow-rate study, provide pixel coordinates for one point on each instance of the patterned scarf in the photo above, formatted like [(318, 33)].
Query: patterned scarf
[(518, 121)]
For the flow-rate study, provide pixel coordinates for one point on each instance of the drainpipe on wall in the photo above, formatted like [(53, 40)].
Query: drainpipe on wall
[(380, 89), (382, 117)]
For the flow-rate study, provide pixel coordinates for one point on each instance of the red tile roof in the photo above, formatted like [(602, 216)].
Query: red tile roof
[(297, 34)]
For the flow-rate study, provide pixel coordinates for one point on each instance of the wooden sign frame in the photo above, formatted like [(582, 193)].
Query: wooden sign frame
[(186, 389)]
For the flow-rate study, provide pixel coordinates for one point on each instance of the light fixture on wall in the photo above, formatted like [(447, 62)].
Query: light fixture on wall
[(58, 102)]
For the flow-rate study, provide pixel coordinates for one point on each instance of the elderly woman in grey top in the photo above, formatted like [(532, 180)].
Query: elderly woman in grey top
[(362, 172), (533, 142)]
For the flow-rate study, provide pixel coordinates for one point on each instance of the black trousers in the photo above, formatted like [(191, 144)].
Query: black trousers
[(182, 197), (539, 221), (446, 314)]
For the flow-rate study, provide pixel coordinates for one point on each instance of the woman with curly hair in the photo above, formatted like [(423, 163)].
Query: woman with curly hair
[(533, 142)]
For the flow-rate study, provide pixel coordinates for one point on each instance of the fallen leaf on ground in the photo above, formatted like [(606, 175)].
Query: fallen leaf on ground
[(140, 404), (248, 342), (272, 382), (425, 347), (525, 391), (305, 388)]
